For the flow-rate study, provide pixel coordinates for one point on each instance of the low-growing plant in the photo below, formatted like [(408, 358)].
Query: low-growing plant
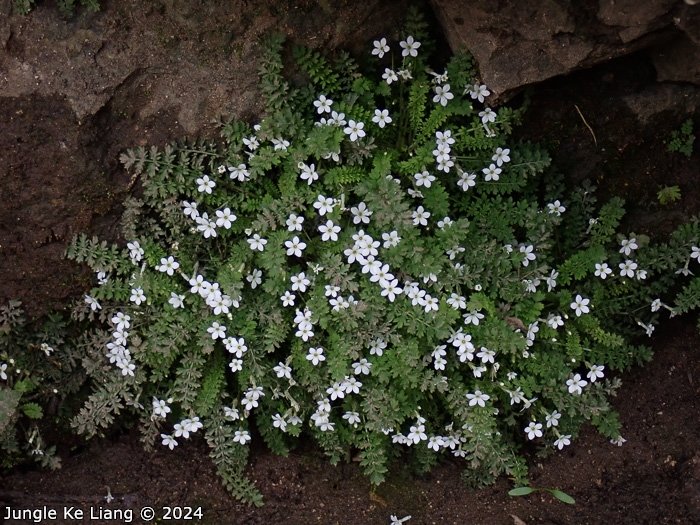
[(524, 491), (377, 265), (682, 140), (38, 370), (669, 194)]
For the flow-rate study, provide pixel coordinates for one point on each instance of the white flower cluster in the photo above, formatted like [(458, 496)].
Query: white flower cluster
[(118, 353)]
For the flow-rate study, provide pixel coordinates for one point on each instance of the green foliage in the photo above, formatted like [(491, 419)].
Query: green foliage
[(524, 491), (682, 140), (669, 194), (428, 286)]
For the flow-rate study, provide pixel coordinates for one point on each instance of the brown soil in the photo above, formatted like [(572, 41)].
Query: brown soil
[(653, 478)]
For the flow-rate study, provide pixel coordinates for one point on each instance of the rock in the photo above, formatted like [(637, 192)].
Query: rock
[(517, 43)]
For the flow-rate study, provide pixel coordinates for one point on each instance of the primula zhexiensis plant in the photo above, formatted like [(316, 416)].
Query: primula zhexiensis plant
[(376, 265)]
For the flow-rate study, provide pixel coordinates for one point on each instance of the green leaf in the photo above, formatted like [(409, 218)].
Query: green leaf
[(563, 497), (32, 410), (9, 399), (521, 491)]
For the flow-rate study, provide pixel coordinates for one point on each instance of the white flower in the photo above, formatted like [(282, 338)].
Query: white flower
[(225, 218), (443, 95), (627, 268), (492, 173), (251, 142), (628, 245), (135, 251), (137, 296), (279, 422), (410, 47), (315, 355), (580, 305), (619, 440), (329, 231), (160, 407), (552, 280), (280, 144), (424, 179), (294, 223), (534, 430), (217, 331), (323, 104), (288, 299), (473, 317), (501, 156), (391, 239), (361, 367), (529, 254), (168, 441), (416, 435), (552, 419), (94, 304), (190, 209), (283, 370), (641, 274), (595, 372), (380, 48), (168, 265), (257, 243), (478, 398), (308, 173), (377, 347), (555, 321), (478, 92), (241, 436), (457, 301), (488, 115), (299, 282), (695, 253), (354, 130), (656, 305), (231, 413), (576, 384), (254, 278), (337, 119), (239, 172), (205, 184), (602, 270), (556, 208), (236, 365), (390, 76), (390, 289), (466, 180), (295, 246), (396, 521), (562, 441), (445, 164), (420, 216), (352, 417), (381, 117), (176, 300), (324, 205), (236, 346)]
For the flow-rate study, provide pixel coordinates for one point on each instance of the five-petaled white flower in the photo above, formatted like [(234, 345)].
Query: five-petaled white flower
[(390, 76), (308, 173), (695, 253), (324, 205), (420, 216), (478, 398), (529, 254), (168, 265), (239, 172), (225, 218), (492, 173), (254, 278), (236, 365), (602, 270), (556, 208), (576, 384), (361, 367), (443, 95), (478, 92), (241, 436), (205, 184), (280, 144), (294, 223), (295, 246), (329, 231), (381, 117), (424, 179), (315, 355), (288, 298), (534, 430), (355, 130), (299, 282), (466, 180), (217, 331), (283, 370), (137, 296), (391, 239), (627, 268), (135, 251), (176, 300), (410, 47), (168, 441), (628, 245), (323, 104), (257, 243), (562, 441), (360, 213), (580, 305), (500, 156), (380, 48), (596, 372), (488, 115), (94, 304), (251, 142), (553, 419)]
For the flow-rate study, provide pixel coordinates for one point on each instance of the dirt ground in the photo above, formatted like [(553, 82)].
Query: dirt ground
[(653, 478)]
